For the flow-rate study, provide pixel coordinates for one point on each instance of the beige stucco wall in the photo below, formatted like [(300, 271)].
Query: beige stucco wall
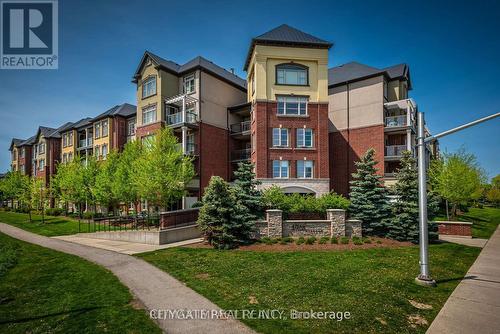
[(216, 96), (366, 99), (147, 71), (262, 70), (106, 139), (69, 149)]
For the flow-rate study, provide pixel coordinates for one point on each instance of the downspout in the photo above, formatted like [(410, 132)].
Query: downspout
[(199, 134), (348, 161)]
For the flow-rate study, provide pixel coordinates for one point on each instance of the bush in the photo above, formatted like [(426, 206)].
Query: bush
[(197, 204), (366, 240), (54, 211), (274, 198), (334, 240), (287, 239), (379, 242), (344, 240), (300, 241), (88, 215), (357, 241), (310, 240), (324, 240)]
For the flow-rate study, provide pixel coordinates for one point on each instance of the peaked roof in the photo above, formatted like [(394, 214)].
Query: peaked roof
[(15, 142), (82, 123), (124, 110), (29, 141), (285, 35), (356, 71), (195, 63)]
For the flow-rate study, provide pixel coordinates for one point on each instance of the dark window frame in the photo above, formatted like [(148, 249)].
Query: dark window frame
[(291, 66)]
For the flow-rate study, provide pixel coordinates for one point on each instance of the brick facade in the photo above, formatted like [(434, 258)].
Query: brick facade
[(147, 130), (347, 147), (119, 135), (266, 118), (214, 153), (27, 160), (462, 229)]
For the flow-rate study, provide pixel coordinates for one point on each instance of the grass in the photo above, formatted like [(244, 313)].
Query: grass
[(44, 291), (374, 285), (485, 221)]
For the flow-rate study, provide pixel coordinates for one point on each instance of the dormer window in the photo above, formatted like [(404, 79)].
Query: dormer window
[(292, 74), (189, 84), (149, 87)]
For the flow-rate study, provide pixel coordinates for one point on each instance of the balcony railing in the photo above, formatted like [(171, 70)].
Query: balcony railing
[(395, 150), (84, 143), (396, 121), (240, 127), (239, 155), (191, 148), (177, 118)]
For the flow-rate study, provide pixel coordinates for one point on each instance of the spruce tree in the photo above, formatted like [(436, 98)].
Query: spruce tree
[(404, 225), (368, 196), (246, 192)]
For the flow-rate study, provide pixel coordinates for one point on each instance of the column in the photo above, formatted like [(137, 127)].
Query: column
[(337, 222), (274, 223), (184, 139)]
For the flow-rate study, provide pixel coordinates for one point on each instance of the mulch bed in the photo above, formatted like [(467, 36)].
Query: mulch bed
[(261, 247)]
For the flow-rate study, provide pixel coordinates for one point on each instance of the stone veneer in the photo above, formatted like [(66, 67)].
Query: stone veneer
[(318, 186)]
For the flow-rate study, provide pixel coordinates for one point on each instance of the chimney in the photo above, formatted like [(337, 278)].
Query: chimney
[(232, 70)]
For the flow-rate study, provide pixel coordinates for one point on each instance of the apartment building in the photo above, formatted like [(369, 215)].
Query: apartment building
[(99, 135), (192, 99), (303, 125), (288, 79), (369, 107)]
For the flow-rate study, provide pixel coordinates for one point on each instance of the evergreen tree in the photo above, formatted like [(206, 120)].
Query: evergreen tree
[(369, 197), (404, 226), (223, 219), (245, 186)]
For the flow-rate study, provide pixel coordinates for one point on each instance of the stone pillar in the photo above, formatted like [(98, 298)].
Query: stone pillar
[(337, 222), (274, 223), (353, 228)]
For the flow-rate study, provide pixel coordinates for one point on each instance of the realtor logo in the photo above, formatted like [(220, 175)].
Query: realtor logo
[(29, 35)]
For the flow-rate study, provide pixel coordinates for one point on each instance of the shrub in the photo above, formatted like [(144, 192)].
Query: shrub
[(197, 204), (274, 198), (324, 240), (287, 239), (379, 242), (54, 212), (333, 201), (300, 241), (357, 241), (334, 240), (366, 240), (265, 240), (344, 240), (88, 215), (310, 240)]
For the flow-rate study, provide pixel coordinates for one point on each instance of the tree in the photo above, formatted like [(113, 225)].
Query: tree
[(70, 184), (246, 191), (162, 170), (368, 196), (14, 186), (104, 179), (222, 218), (404, 225), (123, 187), (493, 193), (38, 196), (457, 178)]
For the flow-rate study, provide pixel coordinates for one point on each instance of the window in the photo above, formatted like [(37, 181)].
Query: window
[(22, 169), (41, 148), (147, 141), (386, 89), (304, 138), (14, 155), (65, 158), (96, 151), (41, 164), (104, 151), (292, 105), (149, 87), (189, 84), (305, 169), (280, 169), (280, 137), (252, 79), (70, 138), (70, 156), (131, 128), (22, 153), (104, 126), (292, 74), (97, 130), (149, 115)]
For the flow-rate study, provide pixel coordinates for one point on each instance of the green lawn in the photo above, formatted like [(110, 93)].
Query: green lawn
[(374, 285), (485, 221), (44, 291)]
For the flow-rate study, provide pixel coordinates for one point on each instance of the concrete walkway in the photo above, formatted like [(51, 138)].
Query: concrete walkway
[(474, 306), (154, 288), (474, 242), (123, 247)]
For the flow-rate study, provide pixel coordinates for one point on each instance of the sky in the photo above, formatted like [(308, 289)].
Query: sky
[(452, 48)]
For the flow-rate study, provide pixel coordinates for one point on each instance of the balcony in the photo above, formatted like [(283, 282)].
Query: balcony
[(241, 155), (177, 118), (191, 148), (241, 127), (396, 121), (395, 151), (85, 143)]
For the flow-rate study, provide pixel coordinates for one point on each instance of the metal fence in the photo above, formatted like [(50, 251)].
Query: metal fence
[(119, 223)]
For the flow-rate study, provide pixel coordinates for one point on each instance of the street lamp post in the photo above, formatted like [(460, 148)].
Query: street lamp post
[(424, 278)]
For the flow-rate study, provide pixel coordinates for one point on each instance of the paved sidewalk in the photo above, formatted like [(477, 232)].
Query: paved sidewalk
[(154, 288), (474, 306), (474, 242), (123, 247)]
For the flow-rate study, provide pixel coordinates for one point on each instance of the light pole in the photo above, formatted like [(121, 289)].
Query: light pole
[(424, 278)]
